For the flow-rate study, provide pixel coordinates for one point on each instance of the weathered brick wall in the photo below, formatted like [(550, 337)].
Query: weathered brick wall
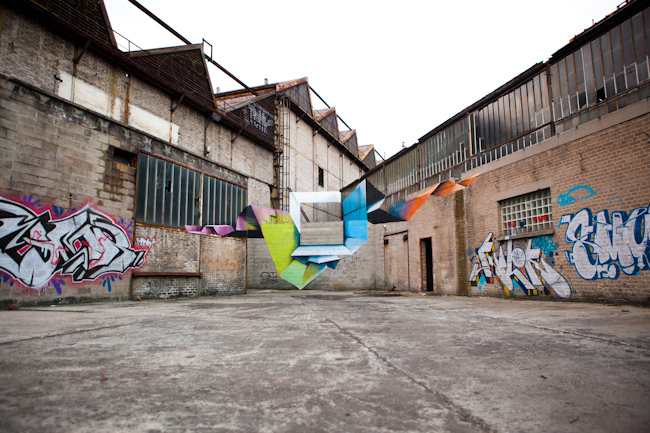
[(31, 53), (61, 156), (192, 124), (396, 256), (263, 165), (609, 156), (219, 140), (165, 287), (259, 193), (223, 266), (435, 219), (150, 98), (172, 250)]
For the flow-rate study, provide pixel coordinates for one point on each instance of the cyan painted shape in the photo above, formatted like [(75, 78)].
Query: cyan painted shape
[(565, 199), (356, 230), (356, 200), (357, 215)]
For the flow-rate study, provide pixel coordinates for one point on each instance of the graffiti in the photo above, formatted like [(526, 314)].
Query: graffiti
[(260, 118), (268, 277), (145, 242), (566, 199), (123, 224), (350, 264), (603, 246), (541, 218), (521, 267), (544, 243), (85, 245), (260, 263)]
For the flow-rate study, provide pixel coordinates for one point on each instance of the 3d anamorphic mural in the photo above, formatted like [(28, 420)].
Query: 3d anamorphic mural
[(300, 264)]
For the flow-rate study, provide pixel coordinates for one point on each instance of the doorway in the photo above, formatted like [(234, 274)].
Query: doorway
[(426, 261)]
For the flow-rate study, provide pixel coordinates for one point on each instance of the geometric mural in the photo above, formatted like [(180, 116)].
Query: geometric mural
[(300, 264)]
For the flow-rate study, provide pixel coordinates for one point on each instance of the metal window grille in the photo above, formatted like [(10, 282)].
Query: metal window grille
[(528, 213)]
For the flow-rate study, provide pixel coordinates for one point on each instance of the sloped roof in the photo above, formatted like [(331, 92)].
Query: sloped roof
[(367, 155), (182, 68), (349, 139), (85, 17), (327, 118)]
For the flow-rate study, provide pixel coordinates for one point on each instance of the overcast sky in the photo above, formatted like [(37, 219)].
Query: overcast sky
[(393, 70)]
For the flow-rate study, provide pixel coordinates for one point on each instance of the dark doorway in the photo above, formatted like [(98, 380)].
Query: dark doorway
[(426, 260)]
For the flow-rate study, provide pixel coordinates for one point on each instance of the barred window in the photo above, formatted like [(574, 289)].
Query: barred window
[(171, 195), (528, 213)]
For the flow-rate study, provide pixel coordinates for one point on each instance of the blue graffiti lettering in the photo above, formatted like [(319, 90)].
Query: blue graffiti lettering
[(603, 246), (566, 199)]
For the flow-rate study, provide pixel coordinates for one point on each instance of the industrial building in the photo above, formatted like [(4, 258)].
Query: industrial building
[(108, 152), (560, 205), (125, 175)]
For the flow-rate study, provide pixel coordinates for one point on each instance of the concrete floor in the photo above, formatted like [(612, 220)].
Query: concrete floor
[(289, 361)]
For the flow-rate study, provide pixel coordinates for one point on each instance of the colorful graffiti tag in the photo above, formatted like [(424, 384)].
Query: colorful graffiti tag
[(604, 245), (519, 267), (85, 245)]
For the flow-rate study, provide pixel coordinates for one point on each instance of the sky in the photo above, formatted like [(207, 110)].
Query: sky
[(393, 70)]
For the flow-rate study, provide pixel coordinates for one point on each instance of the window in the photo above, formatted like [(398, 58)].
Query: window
[(528, 213), (170, 195), (123, 157), (321, 177)]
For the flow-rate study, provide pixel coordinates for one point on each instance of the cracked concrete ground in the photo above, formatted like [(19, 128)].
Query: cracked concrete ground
[(308, 361)]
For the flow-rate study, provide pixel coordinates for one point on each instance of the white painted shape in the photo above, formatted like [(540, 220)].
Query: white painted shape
[(321, 250), (65, 86), (296, 198), (376, 205), (175, 133), (116, 108), (90, 97), (152, 124), (99, 101)]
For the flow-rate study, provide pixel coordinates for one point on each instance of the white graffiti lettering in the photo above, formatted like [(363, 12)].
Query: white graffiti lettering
[(518, 268), (260, 118), (145, 242), (598, 242)]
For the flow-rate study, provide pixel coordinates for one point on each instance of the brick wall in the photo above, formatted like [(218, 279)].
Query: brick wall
[(165, 287), (611, 162), (603, 166), (57, 157), (435, 219), (396, 256), (29, 52), (223, 266), (192, 124), (173, 251)]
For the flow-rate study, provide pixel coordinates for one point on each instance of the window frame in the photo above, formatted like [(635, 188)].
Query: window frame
[(533, 208), (184, 202)]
